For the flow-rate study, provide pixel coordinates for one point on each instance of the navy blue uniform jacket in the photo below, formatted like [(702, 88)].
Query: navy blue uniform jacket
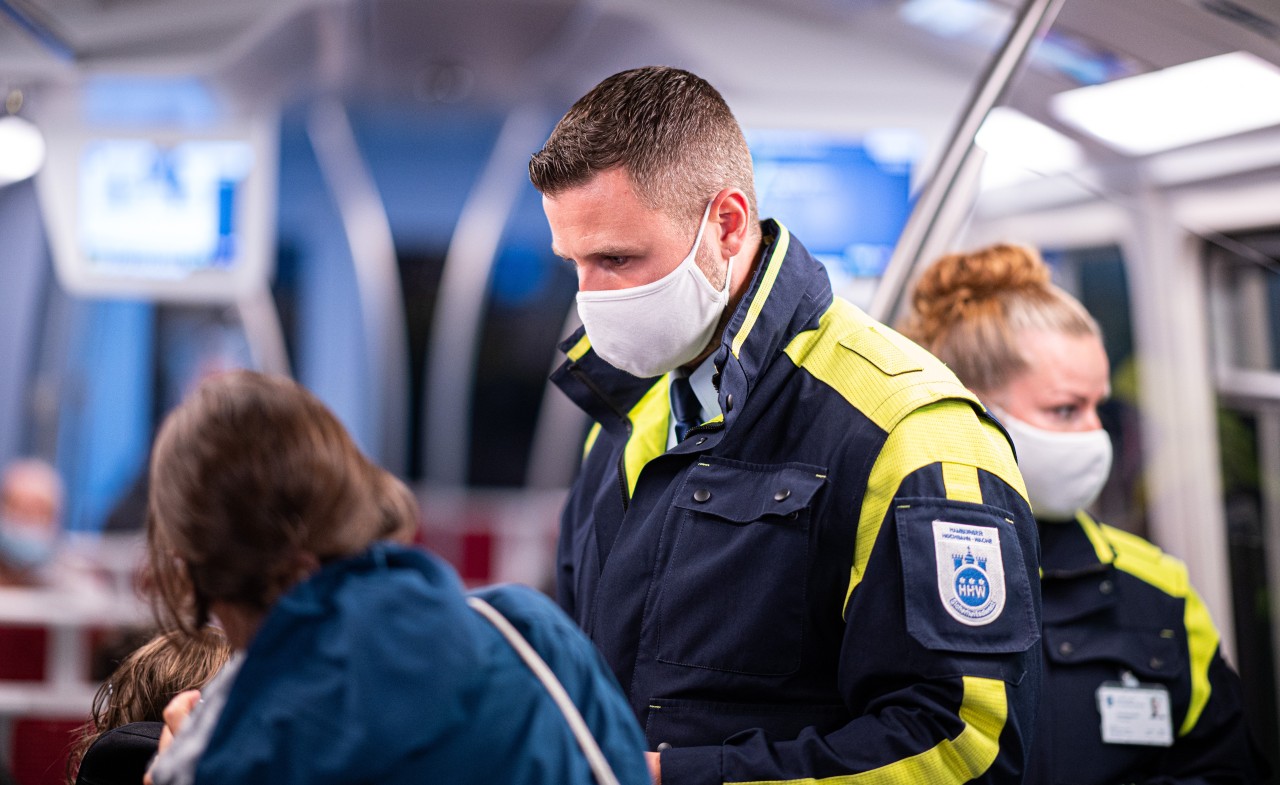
[(375, 670), (1115, 604), (836, 577)]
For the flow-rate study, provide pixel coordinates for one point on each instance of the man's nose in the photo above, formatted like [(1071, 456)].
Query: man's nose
[(591, 278), (1092, 422)]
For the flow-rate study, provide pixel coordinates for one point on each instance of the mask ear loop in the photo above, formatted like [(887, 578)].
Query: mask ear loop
[(727, 292)]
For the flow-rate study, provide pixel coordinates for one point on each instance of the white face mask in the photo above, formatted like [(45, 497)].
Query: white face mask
[(650, 329), (1064, 471)]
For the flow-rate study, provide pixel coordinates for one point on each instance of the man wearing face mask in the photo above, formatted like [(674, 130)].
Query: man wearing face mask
[(1136, 690), (30, 513), (798, 541)]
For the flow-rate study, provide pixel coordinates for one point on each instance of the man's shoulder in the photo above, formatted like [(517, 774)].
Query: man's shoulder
[(875, 369)]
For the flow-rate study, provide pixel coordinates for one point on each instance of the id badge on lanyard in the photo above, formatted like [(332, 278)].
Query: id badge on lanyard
[(1135, 713)]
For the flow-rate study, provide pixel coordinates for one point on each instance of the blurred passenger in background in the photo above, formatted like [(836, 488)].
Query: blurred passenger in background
[(357, 659), (768, 535), (30, 522), (123, 733), (1135, 687), (401, 516)]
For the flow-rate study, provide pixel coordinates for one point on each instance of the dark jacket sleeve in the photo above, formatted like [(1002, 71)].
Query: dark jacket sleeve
[(943, 684)]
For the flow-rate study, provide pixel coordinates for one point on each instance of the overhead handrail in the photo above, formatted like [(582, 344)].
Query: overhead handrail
[(923, 224), (41, 29)]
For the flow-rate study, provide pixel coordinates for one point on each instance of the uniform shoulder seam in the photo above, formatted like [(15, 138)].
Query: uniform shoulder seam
[(1147, 562), (878, 371)]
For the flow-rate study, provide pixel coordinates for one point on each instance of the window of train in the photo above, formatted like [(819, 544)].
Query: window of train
[(531, 292), (1244, 291)]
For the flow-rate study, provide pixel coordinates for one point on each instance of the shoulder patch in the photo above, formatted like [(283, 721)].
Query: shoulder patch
[(970, 571), (966, 585)]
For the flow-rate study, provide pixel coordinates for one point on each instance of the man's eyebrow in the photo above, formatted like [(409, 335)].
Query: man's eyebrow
[(604, 250), (616, 250)]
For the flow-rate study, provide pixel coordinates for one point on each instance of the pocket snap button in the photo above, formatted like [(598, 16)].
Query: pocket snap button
[(701, 495)]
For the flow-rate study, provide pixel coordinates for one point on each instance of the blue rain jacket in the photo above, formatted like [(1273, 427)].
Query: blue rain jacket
[(838, 577), (375, 670)]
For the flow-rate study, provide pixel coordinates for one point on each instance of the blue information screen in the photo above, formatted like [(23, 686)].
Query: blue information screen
[(845, 199)]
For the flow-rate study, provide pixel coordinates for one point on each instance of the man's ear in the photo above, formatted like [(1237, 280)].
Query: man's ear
[(730, 217)]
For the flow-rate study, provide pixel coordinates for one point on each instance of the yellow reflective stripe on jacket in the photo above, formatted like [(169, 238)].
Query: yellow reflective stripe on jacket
[(984, 711), (876, 370), (772, 265), (649, 420), (961, 482), (592, 435), (1202, 642), (1145, 561), (949, 432), (579, 349), (1097, 538)]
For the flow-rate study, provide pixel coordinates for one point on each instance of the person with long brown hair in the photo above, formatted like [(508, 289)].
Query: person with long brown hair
[(123, 732), (1136, 689), (357, 659)]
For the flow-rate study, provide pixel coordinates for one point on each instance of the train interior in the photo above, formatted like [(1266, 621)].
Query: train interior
[(337, 190)]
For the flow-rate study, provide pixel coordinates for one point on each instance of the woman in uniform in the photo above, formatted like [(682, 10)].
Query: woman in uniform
[(1135, 687)]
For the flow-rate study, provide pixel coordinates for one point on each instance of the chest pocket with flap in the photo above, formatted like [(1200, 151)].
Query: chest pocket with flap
[(733, 595)]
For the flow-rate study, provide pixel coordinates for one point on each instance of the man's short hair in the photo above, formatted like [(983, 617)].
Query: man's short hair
[(671, 130)]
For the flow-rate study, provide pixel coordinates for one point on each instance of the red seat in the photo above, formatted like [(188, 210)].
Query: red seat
[(40, 748), (23, 652)]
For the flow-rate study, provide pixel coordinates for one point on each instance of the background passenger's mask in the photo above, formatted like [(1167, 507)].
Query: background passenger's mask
[(657, 327), (26, 545), (1064, 471)]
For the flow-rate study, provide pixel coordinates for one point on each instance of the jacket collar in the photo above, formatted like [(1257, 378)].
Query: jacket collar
[(789, 291), (1074, 548)]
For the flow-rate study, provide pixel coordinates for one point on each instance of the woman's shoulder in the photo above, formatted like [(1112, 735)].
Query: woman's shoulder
[(120, 755), (1145, 560), (534, 614)]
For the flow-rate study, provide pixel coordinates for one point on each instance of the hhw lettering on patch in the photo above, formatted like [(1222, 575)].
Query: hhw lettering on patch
[(970, 572)]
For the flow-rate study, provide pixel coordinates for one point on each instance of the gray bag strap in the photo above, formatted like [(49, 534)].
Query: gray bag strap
[(599, 764)]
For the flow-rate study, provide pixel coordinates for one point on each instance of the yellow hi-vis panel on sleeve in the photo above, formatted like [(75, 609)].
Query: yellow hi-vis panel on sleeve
[(984, 711), (948, 432)]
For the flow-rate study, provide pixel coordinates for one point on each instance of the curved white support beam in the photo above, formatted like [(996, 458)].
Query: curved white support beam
[(373, 254), (460, 306), (263, 332)]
